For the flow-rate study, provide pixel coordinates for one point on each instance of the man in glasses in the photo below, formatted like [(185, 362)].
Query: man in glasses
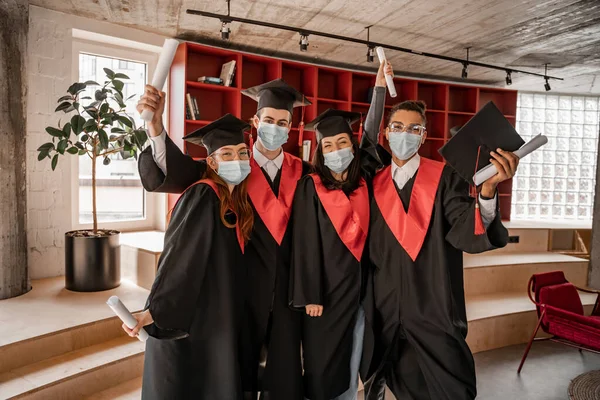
[(422, 219)]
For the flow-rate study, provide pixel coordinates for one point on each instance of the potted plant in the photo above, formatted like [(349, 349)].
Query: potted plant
[(96, 130)]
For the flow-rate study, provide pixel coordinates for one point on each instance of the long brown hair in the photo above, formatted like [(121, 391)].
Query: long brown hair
[(352, 181), (237, 201)]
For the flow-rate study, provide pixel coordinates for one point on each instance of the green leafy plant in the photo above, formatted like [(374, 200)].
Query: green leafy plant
[(96, 130)]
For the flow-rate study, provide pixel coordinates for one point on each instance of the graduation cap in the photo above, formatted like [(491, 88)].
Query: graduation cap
[(333, 122), (225, 131), (276, 94), (469, 149)]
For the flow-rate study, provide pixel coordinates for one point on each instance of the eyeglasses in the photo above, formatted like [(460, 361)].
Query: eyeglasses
[(415, 129), (229, 155)]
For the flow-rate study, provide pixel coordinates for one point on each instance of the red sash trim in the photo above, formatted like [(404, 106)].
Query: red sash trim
[(409, 229), (349, 216), (274, 211), (214, 186)]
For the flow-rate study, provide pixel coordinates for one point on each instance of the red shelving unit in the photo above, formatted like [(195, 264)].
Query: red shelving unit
[(448, 105)]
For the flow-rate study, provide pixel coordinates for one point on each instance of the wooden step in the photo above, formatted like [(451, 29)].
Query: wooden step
[(498, 273), (78, 373), (530, 241), (503, 319), (130, 390)]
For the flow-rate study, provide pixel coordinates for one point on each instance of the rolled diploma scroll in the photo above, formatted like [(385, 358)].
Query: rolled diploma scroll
[(123, 313), (490, 170), (388, 78), (162, 70)]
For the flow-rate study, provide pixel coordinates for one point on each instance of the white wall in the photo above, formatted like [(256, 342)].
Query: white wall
[(50, 73)]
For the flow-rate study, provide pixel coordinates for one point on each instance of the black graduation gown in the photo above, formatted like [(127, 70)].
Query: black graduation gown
[(266, 286), (417, 308), (326, 272), (196, 298), (272, 325)]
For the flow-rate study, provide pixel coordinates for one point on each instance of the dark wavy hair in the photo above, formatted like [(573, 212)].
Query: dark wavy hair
[(352, 181)]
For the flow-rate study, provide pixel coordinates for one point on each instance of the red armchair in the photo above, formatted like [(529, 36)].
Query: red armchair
[(560, 313)]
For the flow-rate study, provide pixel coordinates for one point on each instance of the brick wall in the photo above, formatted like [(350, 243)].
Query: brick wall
[(48, 192)]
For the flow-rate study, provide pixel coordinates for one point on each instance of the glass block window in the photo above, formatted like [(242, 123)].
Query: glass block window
[(558, 181)]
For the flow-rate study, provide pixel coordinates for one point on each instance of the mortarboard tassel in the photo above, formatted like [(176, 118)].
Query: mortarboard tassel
[(479, 227), (301, 126), (360, 129), (251, 141)]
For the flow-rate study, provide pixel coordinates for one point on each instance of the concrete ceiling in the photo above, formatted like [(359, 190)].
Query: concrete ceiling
[(524, 34)]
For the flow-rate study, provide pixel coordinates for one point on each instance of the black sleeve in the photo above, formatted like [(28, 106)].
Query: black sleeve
[(306, 276), (182, 170), (459, 210), (369, 145), (183, 263)]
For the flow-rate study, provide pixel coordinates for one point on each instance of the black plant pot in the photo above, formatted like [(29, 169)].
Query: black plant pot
[(92, 263)]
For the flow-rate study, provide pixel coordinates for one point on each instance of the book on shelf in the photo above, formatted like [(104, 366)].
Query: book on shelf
[(192, 109), (196, 108), (211, 80), (188, 115), (306, 150), (190, 106), (227, 72)]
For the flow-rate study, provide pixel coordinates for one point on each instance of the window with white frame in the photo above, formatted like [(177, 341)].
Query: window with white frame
[(558, 181), (122, 202)]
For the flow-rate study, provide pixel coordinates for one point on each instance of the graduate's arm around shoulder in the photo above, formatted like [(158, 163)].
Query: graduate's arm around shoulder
[(461, 210), (306, 276), (182, 265), (162, 166)]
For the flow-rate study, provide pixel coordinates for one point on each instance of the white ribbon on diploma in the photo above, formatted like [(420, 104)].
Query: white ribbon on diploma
[(162, 70), (123, 313), (490, 170)]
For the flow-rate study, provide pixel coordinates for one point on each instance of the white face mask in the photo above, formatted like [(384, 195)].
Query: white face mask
[(272, 136), (404, 145), (338, 161), (234, 172)]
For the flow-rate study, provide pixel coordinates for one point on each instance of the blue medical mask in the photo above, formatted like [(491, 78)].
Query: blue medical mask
[(339, 160), (234, 172), (404, 145), (272, 136)]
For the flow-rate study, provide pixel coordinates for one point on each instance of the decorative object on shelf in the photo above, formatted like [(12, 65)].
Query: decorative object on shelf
[(92, 256), (306, 144), (227, 72), (210, 80)]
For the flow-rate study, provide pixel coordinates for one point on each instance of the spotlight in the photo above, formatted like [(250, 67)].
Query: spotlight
[(465, 73), (225, 31), (303, 42), (508, 78), (547, 85), (370, 54)]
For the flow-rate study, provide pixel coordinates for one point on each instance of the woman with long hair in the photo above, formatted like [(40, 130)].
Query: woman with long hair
[(194, 312), (330, 228)]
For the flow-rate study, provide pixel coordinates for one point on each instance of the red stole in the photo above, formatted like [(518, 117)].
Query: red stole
[(349, 216), (214, 186), (409, 229), (274, 211)]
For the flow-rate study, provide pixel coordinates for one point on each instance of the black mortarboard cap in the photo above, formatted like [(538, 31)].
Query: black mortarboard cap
[(332, 122), (225, 131), (488, 129), (276, 94)]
